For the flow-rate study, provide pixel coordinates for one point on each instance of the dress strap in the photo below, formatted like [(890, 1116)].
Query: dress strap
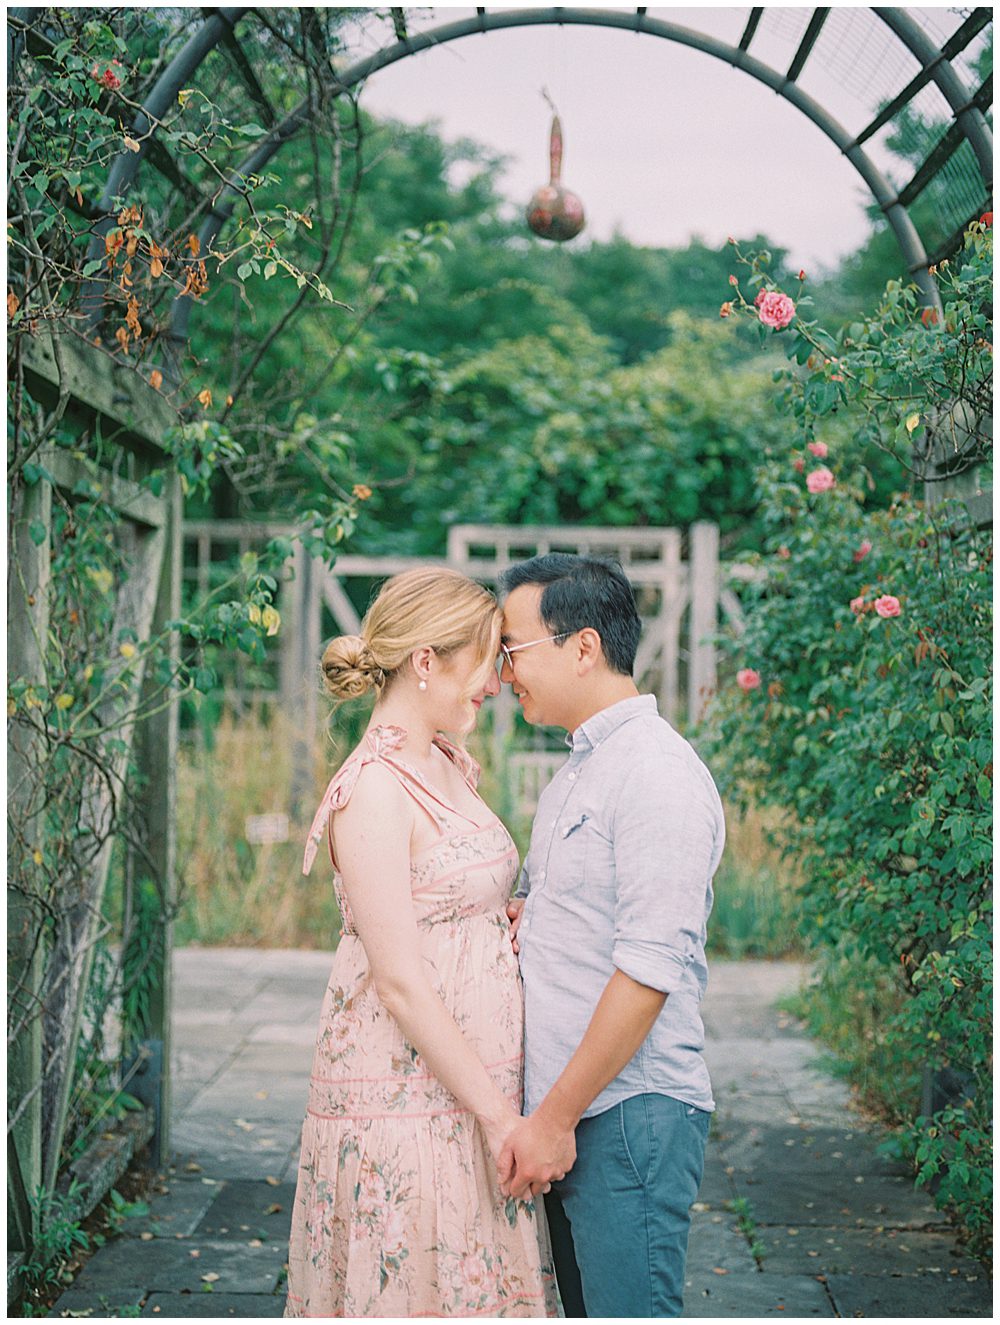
[(461, 758), (380, 745)]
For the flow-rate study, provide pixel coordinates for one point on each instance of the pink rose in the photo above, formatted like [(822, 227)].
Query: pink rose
[(798, 464), (726, 309), (108, 78), (747, 679), (820, 480), (775, 310), (858, 605), (802, 275), (819, 449), (863, 550), (393, 1231), (783, 552), (887, 605), (760, 298), (733, 280)]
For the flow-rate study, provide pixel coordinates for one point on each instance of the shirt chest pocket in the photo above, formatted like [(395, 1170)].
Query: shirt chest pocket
[(581, 853)]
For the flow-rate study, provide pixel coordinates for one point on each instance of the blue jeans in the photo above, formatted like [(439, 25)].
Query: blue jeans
[(619, 1219)]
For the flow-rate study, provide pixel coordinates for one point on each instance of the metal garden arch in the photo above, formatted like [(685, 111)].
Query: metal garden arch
[(968, 124)]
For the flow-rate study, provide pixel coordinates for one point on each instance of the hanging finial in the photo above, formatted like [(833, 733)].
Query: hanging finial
[(554, 212)]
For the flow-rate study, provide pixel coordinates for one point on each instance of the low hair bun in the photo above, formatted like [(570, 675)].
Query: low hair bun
[(350, 669)]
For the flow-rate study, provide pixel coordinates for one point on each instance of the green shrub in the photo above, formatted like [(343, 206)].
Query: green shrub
[(862, 708)]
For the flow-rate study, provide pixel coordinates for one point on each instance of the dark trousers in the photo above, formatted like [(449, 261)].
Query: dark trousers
[(619, 1220)]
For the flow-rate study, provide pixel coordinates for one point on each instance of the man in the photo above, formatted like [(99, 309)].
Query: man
[(609, 921)]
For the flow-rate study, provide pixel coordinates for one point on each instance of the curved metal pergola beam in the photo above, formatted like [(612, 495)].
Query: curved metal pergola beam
[(638, 21), (969, 117)]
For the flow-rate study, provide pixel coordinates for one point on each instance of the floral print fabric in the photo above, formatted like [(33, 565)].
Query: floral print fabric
[(397, 1210)]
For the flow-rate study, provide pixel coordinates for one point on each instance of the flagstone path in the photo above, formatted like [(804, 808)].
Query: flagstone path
[(798, 1214)]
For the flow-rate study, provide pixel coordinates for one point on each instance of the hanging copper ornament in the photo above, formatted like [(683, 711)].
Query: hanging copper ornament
[(554, 212)]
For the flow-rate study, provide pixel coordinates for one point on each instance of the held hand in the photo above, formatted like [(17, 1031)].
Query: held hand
[(536, 1154), (499, 1128), (514, 908)]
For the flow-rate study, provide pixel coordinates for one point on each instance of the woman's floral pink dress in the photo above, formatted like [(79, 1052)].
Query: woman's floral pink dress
[(398, 1211)]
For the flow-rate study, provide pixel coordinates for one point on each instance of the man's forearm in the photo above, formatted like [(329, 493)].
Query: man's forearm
[(623, 1018)]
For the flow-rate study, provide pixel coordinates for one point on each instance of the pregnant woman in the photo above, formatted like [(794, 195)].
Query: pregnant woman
[(416, 1078)]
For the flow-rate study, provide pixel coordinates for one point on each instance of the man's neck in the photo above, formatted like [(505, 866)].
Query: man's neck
[(612, 690)]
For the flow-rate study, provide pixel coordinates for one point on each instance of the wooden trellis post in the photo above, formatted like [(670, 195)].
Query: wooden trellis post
[(703, 622), (134, 419), (27, 626)]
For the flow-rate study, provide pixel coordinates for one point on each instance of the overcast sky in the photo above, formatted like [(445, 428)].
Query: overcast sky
[(663, 142)]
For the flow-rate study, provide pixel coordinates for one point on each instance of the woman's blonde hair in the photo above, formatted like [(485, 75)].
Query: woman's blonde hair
[(428, 606)]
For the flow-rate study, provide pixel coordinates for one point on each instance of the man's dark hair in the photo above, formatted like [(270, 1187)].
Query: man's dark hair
[(578, 592)]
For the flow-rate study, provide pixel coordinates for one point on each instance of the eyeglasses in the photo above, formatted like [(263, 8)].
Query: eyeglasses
[(506, 649)]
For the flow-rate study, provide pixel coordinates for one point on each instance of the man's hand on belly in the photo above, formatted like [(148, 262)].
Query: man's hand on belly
[(536, 1154), (514, 908)]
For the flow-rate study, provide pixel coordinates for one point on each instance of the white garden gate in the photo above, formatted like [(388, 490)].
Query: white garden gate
[(679, 598)]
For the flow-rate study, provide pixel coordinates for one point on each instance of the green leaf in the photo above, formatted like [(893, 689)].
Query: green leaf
[(204, 680), (37, 532), (244, 270)]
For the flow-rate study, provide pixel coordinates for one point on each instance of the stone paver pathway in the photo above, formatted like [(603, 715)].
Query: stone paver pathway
[(797, 1215)]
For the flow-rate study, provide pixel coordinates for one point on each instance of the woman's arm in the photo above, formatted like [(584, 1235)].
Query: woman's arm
[(373, 852)]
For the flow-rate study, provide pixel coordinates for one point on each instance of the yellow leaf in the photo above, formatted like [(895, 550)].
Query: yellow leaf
[(271, 620), (205, 397), (912, 422), (11, 707), (13, 303), (103, 579), (131, 144), (64, 701), (184, 95), (127, 650), (156, 379), (210, 1278), (37, 857), (254, 613)]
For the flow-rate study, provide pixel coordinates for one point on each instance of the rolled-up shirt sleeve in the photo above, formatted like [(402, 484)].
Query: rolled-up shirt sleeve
[(668, 835)]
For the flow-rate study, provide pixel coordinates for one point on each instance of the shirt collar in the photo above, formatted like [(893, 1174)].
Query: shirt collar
[(591, 733)]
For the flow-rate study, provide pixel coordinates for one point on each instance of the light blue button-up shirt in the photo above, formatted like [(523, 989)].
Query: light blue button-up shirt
[(618, 876)]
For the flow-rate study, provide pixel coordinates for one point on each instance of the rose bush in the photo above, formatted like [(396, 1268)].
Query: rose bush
[(870, 634)]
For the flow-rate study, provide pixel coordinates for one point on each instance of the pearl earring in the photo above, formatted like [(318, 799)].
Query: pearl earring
[(422, 685)]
